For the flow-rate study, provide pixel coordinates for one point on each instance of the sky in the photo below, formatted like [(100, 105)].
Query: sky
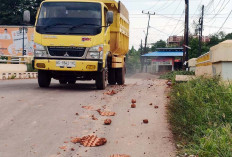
[(169, 18)]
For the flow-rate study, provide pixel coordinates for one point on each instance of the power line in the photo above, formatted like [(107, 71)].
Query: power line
[(177, 24), (225, 21), (163, 8), (219, 11), (159, 30), (172, 15)]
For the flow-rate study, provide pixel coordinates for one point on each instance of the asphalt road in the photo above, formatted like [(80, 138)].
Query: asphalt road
[(39, 122)]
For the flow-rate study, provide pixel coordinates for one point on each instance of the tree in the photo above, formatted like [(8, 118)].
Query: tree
[(214, 40), (133, 60), (228, 36), (158, 44), (194, 51), (11, 11)]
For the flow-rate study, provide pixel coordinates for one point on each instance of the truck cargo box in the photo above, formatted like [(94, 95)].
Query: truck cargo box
[(119, 42)]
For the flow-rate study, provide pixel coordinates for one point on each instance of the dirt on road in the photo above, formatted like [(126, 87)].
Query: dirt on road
[(39, 122)]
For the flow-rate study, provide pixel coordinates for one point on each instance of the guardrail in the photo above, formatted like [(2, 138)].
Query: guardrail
[(16, 59)]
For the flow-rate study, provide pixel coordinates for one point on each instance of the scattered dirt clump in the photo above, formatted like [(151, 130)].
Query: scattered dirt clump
[(92, 141), (111, 92), (63, 148), (94, 118), (87, 107), (107, 121), (106, 113), (133, 101), (145, 121), (133, 106), (76, 140), (169, 83)]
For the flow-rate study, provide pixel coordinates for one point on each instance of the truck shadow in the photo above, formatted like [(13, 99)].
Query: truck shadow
[(73, 87)]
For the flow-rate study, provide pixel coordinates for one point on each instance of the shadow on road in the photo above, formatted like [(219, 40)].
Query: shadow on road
[(30, 85)]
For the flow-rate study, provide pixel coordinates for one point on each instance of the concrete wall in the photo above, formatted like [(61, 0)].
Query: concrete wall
[(221, 52), (11, 68), (204, 71), (217, 69), (218, 62), (227, 70)]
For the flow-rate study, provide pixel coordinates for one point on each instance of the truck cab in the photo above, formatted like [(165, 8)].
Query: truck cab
[(74, 41)]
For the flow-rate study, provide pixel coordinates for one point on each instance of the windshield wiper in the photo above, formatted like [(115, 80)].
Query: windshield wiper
[(56, 24), (85, 24)]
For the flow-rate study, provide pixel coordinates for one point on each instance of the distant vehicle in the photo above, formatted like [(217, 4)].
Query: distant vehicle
[(81, 40)]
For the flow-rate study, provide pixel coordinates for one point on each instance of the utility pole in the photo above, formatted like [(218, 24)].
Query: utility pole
[(146, 37), (186, 35), (201, 20)]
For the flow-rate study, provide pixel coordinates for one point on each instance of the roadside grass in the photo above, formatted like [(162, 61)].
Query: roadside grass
[(200, 114), (172, 75), (30, 69)]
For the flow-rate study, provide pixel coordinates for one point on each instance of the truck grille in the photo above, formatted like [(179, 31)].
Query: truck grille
[(67, 51)]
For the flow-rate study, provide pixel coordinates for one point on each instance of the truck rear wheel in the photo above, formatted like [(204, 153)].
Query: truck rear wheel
[(101, 82), (120, 75), (63, 81), (44, 78), (72, 82), (111, 77)]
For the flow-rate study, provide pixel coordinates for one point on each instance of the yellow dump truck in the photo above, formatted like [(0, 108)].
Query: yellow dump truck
[(81, 40)]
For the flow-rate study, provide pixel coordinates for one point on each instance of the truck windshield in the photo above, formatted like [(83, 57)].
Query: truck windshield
[(74, 18)]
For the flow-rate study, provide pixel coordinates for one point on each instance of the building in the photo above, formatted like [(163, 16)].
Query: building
[(175, 41), (163, 60)]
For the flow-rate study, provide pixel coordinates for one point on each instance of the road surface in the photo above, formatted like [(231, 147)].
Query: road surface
[(39, 122)]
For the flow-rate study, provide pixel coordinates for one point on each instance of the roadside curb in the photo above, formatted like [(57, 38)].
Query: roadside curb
[(18, 75)]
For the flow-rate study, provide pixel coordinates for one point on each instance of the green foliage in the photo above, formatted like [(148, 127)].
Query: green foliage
[(12, 77), (30, 69), (133, 61), (214, 40), (172, 75), (194, 51), (217, 142), (228, 36), (201, 115), (158, 44), (11, 11)]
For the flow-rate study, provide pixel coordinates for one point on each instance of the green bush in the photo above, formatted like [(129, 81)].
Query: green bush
[(172, 75), (200, 114), (30, 69)]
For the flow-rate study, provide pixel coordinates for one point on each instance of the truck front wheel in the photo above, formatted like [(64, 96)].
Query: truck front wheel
[(44, 78), (120, 75), (101, 82)]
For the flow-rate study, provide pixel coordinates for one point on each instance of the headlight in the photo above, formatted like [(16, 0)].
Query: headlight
[(95, 52), (40, 51)]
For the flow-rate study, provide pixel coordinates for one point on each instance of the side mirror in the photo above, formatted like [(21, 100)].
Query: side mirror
[(26, 16), (110, 17)]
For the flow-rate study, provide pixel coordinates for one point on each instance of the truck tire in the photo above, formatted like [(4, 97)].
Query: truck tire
[(111, 77), (101, 82), (72, 82), (63, 81), (44, 78), (120, 75)]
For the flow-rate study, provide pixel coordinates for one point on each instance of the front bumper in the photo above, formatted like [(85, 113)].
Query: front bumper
[(81, 65)]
